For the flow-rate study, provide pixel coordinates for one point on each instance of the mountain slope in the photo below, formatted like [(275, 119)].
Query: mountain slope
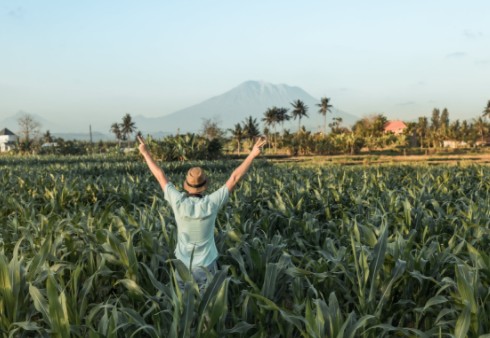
[(249, 98)]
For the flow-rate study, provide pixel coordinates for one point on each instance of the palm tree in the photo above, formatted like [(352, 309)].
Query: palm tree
[(267, 133), (421, 129), (444, 124), (271, 118), (47, 137), (324, 109), (465, 131), (486, 111), (116, 130), (282, 116), (454, 130), (251, 128), (300, 110), (238, 135), (127, 127), (435, 124), (480, 127)]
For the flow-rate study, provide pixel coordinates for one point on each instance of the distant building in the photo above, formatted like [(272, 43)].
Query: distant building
[(483, 143), (396, 127), (49, 145), (7, 140), (454, 144)]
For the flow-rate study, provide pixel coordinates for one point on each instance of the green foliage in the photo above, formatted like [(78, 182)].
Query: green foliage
[(185, 147), (86, 250)]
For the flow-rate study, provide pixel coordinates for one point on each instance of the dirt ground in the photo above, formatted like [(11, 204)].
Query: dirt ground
[(369, 159)]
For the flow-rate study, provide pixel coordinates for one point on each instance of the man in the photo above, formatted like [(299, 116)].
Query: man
[(195, 213)]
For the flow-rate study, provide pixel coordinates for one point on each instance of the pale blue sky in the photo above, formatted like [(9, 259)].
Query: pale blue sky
[(81, 62)]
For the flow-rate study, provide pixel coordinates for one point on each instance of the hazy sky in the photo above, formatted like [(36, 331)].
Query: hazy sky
[(81, 62)]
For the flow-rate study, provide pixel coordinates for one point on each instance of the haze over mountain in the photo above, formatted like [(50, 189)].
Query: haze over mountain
[(251, 98), (12, 122)]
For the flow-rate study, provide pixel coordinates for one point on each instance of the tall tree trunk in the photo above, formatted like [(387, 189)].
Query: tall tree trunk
[(325, 124)]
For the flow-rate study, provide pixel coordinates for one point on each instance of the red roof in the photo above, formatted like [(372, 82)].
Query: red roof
[(395, 126)]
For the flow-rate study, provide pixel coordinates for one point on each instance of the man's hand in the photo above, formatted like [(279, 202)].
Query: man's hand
[(257, 149), (238, 173), (142, 146)]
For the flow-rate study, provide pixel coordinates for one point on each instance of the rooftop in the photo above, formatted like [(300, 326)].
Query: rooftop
[(5, 131)]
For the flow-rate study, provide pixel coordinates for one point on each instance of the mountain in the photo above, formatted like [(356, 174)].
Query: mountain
[(251, 98)]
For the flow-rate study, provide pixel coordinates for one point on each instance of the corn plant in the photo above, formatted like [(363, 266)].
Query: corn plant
[(86, 250)]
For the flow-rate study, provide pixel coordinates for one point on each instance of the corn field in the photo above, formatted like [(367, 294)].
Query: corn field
[(86, 250)]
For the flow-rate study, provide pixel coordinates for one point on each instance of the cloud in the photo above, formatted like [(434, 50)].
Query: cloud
[(16, 13), (483, 62), (456, 55), (469, 34), (408, 103)]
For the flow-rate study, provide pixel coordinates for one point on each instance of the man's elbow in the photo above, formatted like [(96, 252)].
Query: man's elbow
[(232, 181)]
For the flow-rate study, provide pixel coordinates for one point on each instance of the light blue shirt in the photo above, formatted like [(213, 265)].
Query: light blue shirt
[(195, 217)]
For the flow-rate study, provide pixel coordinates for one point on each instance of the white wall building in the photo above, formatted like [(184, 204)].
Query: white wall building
[(7, 140), (454, 144)]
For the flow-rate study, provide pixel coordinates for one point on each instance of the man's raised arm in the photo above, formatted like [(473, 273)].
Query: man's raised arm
[(240, 171), (154, 168)]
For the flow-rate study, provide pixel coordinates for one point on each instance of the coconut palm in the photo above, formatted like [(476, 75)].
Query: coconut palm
[(251, 128), (271, 119), (486, 111), (434, 129), (465, 131), (127, 127), (283, 116), (444, 124), (480, 127), (422, 130), (300, 109), (325, 107), (238, 135), (116, 130), (454, 130)]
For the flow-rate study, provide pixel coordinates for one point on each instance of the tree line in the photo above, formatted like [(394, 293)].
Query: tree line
[(366, 133)]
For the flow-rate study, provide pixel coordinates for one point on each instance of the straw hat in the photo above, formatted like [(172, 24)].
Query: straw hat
[(195, 181)]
